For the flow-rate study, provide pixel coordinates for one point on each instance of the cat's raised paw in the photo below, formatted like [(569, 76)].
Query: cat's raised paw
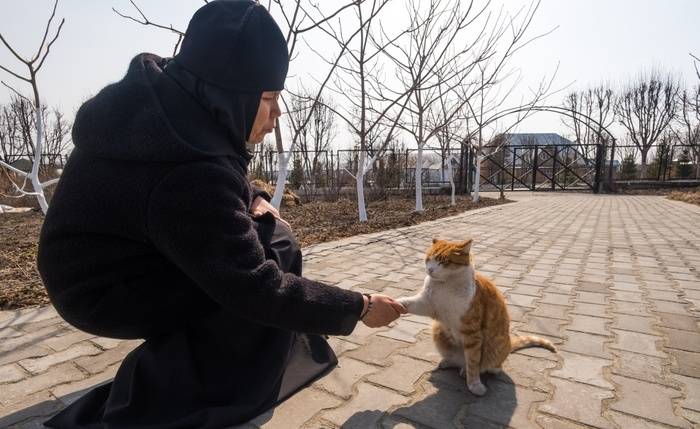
[(477, 388)]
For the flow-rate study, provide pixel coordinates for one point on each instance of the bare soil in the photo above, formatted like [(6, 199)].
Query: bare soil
[(315, 222)]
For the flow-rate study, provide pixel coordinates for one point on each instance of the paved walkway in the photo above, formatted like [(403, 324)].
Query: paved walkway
[(614, 281)]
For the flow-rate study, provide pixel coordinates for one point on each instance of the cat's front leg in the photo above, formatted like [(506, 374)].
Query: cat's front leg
[(472, 359), (418, 304)]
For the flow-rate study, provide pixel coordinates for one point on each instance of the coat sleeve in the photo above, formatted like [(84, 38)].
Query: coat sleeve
[(198, 219)]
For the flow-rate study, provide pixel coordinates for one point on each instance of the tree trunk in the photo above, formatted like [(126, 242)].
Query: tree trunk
[(477, 179), (283, 163), (360, 182), (34, 175), (643, 166), (419, 179), (452, 181)]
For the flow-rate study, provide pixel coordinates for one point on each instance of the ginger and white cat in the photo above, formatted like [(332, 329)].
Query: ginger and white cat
[(471, 327)]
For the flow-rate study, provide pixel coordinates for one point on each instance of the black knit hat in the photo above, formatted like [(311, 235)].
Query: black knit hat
[(236, 45)]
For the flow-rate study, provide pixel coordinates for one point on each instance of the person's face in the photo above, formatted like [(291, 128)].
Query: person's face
[(268, 112)]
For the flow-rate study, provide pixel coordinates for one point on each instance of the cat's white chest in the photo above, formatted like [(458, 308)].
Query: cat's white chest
[(450, 302)]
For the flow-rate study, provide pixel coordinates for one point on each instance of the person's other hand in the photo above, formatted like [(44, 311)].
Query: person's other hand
[(260, 206), (384, 311)]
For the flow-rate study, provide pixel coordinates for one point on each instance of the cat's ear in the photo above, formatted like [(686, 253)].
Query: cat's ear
[(435, 240), (465, 246)]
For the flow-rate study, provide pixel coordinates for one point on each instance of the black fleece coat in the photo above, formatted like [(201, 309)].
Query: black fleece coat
[(149, 236)]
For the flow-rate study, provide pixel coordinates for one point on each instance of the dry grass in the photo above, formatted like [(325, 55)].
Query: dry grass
[(692, 196)]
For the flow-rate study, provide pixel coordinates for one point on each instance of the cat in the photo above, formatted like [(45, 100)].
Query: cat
[(471, 325)]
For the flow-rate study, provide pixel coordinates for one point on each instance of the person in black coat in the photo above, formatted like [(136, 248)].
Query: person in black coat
[(154, 232)]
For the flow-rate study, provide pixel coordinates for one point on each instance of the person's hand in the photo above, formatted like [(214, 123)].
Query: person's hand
[(384, 311), (260, 206)]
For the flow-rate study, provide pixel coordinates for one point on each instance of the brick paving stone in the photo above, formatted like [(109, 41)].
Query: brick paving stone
[(543, 325), (669, 307), (30, 315), (29, 340), (423, 349), (377, 351), (23, 353), (626, 421), (686, 363), (17, 392), (621, 295), (663, 295), (583, 369), (638, 343), (521, 300), (341, 380), (682, 340), (643, 367), (546, 421), (527, 290), (591, 297), (11, 373), (578, 402), (506, 405), (589, 309), (97, 364), (6, 333), (437, 407), (297, 410), (70, 392), (678, 321), (630, 308), (404, 330), (403, 373), (591, 286), (362, 334), (41, 364), (629, 287), (555, 298), (648, 400), (527, 371), (63, 342), (589, 324), (692, 394), (551, 311), (516, 313), (341, 346), (640, 324), (38, 404), (105, 343), (588, 344), (365, 409)]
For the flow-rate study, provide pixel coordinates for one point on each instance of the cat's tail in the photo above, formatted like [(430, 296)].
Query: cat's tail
[(525, 341)]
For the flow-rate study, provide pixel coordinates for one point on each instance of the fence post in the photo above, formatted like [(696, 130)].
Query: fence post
[(535, 161), (512, 176), (554, 167), (598, 167), (611, 171)]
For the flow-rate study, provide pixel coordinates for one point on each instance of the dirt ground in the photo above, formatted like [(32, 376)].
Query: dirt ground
[(315, 222)]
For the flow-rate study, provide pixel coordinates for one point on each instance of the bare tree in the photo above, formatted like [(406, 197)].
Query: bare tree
[(591, 112), (430, 65), (34, 65), (646, 108), (364, 109)]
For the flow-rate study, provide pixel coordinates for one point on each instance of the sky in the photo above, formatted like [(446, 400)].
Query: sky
[(594, 41)]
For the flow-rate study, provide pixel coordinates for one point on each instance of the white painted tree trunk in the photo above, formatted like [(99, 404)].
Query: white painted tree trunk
[(419, 179), (283, 164), (34, 175), (477, 179), (360, 186)]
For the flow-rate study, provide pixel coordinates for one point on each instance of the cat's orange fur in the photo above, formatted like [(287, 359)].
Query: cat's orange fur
[(480, 334)]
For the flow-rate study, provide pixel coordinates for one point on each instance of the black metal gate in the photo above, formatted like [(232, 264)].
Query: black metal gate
[(538, 168)]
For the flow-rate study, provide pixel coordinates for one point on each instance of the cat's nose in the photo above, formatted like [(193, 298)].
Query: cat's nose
[(430, 270)]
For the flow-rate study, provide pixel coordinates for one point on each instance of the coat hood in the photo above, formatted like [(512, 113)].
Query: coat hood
[(149, 117)]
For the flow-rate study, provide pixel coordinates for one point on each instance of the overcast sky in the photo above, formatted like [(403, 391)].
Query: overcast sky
[(596, 40)]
